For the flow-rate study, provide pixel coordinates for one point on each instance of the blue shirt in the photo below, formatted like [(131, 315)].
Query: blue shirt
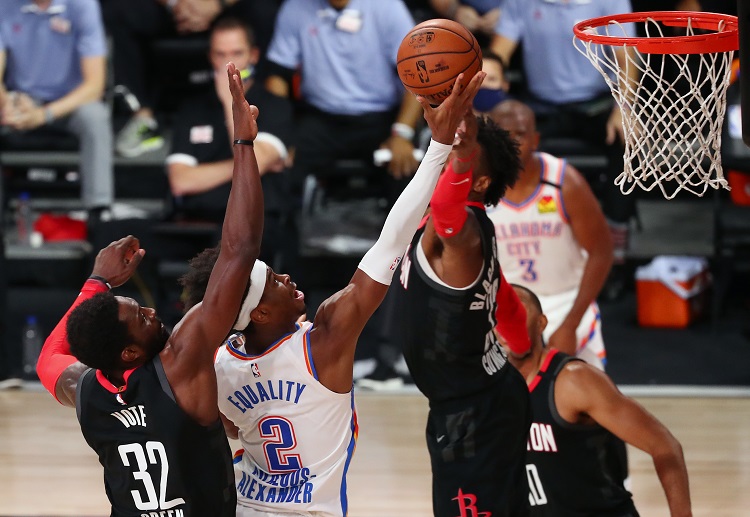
[(347, 58), (555, 71), (44, 48)]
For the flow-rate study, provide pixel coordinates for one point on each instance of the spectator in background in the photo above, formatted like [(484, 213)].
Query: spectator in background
[(566, 265), (352, 99), (421, 10), (200, 163), (495, 87), (568, 94), (135, 24), (479, 16), (52, 57)]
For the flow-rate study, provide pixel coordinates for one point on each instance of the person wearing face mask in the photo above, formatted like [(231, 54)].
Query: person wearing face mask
[(494, 90), (199, 166)]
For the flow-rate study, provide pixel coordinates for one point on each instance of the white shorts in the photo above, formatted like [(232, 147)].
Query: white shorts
[(589, 331)]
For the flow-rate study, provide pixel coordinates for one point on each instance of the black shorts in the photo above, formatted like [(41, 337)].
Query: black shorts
[(477, 449)]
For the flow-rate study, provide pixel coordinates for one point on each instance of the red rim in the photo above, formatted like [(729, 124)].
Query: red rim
[(724, 41)]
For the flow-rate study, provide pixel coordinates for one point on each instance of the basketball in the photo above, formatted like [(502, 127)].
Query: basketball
[(432, 55)]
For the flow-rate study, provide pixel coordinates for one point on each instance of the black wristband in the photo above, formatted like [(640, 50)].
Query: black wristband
[(102, 280), (243, 142)]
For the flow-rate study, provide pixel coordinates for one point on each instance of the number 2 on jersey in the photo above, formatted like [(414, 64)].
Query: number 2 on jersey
[(280, 440), (152, 502), (528, 265)]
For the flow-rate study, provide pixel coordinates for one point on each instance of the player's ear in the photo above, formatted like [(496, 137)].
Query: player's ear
[(542, 324), (131, 353), (260, 314), (481, 184)]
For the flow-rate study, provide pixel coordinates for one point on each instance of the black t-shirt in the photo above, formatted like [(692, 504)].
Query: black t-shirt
[(200, 132), (155, 457), (567, 464)]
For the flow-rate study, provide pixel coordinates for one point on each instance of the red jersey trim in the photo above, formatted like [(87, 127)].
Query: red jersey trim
[(552, 352), (107, 385)]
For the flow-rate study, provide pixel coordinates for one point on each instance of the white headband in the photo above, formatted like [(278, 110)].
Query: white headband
[(257, 285)]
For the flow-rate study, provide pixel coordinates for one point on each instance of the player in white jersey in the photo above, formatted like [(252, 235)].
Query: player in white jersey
[(553, 238), (291, 451), (286, 392)]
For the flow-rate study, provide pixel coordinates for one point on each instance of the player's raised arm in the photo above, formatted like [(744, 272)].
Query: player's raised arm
[(342, 317), (57, 368), (208, 323)]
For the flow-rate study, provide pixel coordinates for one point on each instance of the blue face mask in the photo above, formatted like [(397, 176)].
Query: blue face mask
[(488, 98)]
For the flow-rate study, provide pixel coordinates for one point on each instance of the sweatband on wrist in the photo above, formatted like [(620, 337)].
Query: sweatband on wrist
[(402, 130), (275, 142), (257, 286), (383, 258), (448, 203)]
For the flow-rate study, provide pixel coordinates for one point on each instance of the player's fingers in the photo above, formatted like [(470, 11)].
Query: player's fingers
[(425, 104), (456, 91), (473, 86), (136, 259), (254, 111), (233, 77), (124, 243)]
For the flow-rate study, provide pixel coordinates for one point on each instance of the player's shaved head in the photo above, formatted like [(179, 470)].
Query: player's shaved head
[(528, 297), (513, 109)]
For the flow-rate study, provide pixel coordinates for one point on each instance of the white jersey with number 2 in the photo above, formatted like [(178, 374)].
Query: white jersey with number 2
[(298, 436)]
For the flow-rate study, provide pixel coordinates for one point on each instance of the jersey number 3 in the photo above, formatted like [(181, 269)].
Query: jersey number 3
[(529, 273), (280, 440), (153, 454)]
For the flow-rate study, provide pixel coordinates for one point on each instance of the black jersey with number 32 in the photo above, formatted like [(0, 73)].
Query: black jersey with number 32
[(567, 463), (157, 460)]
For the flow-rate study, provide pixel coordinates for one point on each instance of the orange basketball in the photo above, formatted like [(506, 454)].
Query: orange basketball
[(433, 54)]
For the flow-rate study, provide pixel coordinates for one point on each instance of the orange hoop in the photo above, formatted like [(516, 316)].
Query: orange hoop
[(724, 39), (671, 122)]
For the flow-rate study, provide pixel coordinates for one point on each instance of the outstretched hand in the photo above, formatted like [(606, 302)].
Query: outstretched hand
[(245, 115), (444, 119), (117, 262)]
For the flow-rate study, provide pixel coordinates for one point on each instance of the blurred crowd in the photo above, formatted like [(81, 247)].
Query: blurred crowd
[(323, 75)]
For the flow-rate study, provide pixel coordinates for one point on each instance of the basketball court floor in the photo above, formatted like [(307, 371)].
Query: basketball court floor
[(46, 468)]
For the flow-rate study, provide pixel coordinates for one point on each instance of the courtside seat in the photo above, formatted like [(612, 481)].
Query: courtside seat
[(343, 211)]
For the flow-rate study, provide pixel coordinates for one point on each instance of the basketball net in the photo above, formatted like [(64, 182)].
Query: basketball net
[(672, 114)]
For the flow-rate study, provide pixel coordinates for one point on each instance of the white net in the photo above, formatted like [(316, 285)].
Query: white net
[(672, 113)]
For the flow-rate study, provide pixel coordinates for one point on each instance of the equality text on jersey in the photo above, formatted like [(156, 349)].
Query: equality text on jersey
[(250, 395)]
